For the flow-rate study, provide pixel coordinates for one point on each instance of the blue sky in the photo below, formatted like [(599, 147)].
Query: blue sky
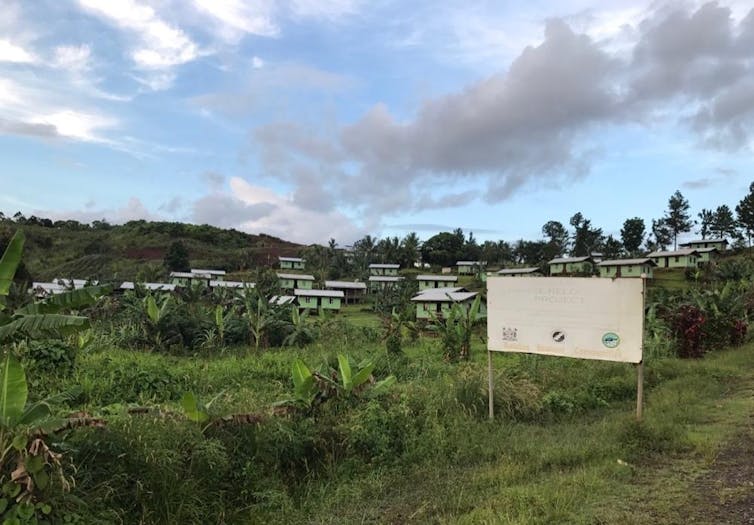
[(313, 119)]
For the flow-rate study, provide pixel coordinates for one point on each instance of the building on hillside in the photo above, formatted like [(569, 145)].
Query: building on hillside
[(353, 292), (436, 281), (316, 299), (571, 266), (437, 302), (470, 267), (384, 269), (707, 255), (282, 300), (217, 275), (380, 282), (41, 290), (292, 281), (519, 272), (627, 268), (291, 263), (720, 244), (74, 284), (190, 278), (597, 257), (152, 287), (686, 258), (231, 284)]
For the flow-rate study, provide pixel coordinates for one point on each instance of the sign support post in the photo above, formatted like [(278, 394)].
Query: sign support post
[(639, 390), (491, 385)]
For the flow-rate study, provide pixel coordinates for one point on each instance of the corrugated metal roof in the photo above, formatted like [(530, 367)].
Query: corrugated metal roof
[(442, 290), (208, 272), (187, 275), (446, 278), (346, 284), (471, 263), (446, 297), (703, 241), (677, 253), (514, 271), (290, 259), (282, 300), (385, 278), (627, 262), (319, 293), (565, 260), (230, 284), (297, 276), (389, 266), (166, 287), (706, 250)]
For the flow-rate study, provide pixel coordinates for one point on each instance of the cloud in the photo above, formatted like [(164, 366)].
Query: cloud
[(423, 227), (73, 58), (235, 18), (28, 129), (133, 210), (10, 52)]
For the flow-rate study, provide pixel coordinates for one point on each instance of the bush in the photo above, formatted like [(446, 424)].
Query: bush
[(51, 356)]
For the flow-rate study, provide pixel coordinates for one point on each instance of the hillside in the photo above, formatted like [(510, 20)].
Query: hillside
[(136, 249)]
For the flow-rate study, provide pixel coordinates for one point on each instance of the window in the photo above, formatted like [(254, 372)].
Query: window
[(629, 269), (677, 259)]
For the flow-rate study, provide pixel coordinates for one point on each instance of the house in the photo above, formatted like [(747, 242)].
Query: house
[(292, 281), (627, 268), (230, 284), (519, 272), (217, 275), (353, 292), (707, 255), (291, 263), (41, 290), (282, 300), (470, 267), (316, 299), (190, 278), (380, 282), (437, 302), (384, 269), (597, 257), (720, 244), (686, 258), (571, 265), (152, 287), (436, 281)]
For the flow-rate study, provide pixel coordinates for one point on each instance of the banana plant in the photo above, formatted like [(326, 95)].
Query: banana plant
[(156, 313), (301, 332)]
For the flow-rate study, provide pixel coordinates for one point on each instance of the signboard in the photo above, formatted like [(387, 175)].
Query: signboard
[(586, 318)]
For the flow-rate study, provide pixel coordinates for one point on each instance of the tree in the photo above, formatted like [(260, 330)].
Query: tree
[(410, 250), (745, 213), (677, 218), (443, 249), (177, 258), (724, 223), (612, 248), (585, 239), (705, 221), (661, 233), (632, 235), (557, 239)]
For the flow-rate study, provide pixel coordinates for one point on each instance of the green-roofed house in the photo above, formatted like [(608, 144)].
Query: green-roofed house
[(720, 244), (436, 281), (316, 299), (353, 292), (437, 302), (626, 268), (384, 270), (686, 258), (571, 266), (293, 281), (519, 272), (470, 267), (291, 263)]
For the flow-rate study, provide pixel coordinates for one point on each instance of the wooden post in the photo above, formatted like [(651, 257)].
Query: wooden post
[(639, 390), (490, 387)]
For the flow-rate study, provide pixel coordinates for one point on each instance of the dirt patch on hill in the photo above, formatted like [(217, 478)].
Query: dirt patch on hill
[(725, 493)]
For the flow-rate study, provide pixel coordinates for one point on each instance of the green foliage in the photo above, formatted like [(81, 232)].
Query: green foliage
[(177, 258), (9, 262)]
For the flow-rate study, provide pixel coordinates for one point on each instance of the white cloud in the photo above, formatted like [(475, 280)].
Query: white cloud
[(257, 63), (160, 45), (10, 52), (238, 17), (76, 125), (73, 58)]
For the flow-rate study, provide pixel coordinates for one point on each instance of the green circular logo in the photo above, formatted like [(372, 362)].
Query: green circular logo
[(611, 340)]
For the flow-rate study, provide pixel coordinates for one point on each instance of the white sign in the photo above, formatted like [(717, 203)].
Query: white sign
[(586, 318)]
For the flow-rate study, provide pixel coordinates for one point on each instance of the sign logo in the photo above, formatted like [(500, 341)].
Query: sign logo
[(611, 340), (558, 336)]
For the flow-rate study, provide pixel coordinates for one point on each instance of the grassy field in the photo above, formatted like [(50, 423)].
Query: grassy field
[(565, 447)]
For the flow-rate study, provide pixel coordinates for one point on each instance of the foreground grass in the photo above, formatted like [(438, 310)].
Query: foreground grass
[(564, 449)]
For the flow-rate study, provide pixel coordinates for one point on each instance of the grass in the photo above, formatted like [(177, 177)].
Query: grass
[(564, 449)]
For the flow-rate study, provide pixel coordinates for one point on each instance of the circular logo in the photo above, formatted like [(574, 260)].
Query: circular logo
[(558, 336), (611, 340)]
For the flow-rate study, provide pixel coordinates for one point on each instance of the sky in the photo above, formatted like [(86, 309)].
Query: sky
[(318, 119)]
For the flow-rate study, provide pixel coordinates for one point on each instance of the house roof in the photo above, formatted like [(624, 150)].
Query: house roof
[(281, 300), (296, 276), (49, 287), (706, 250), (443, 296), (442, 290), (514, 271), (447, 278), (627, 262), (565, 260), (188, 275), (167, 287), (207, 272), (290, 259), (677, 253), (349, 285), (230, 284), (385, 266), (385, 278), (318, 293), (471, 263), (73, 283), (703, 241)]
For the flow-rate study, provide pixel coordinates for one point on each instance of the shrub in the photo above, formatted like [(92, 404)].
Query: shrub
[(687, 324)]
